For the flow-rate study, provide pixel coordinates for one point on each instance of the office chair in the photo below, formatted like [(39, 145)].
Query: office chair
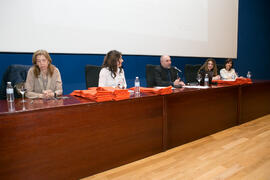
[(219, 67), (92, 75), (150, 75), (191, 72), (16, 74)]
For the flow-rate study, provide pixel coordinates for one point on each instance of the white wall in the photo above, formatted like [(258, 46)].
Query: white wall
[(200, 28)]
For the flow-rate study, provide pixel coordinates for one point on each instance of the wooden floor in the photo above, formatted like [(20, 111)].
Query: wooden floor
[(241, 152)]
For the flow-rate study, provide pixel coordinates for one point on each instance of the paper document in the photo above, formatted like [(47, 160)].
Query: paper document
[(161, 87), (198, 87)]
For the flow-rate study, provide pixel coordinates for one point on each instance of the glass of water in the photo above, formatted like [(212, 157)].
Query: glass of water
[(199, 78)]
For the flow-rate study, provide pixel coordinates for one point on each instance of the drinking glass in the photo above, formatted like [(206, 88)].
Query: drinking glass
[(22, 90), (199, 78)]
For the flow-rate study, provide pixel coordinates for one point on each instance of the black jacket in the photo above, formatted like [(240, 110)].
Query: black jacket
[(210, 76), (162, 78)]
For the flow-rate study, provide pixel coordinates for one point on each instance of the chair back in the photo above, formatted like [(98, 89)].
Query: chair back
[(92, 75), (15, 74), (191, 71), (150, 75), (219, 67)]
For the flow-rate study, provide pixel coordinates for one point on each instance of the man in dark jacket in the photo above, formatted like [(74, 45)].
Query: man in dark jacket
[(166, 75)]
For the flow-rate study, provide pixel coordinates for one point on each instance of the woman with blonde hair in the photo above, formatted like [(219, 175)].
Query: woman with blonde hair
[(43, 79), (209, 68)]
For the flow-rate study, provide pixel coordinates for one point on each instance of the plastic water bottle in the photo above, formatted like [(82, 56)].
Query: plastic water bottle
[(233, 76), (137, 87), (249, 74), (206, 80), (11, 106), (10, 92)]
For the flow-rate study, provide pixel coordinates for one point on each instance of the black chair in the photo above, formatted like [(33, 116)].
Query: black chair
[(191, 72), (150, 75), (219, 67), (92, 75), (16, 74)]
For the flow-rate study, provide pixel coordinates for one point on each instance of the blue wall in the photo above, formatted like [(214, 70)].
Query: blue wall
[(254, 38), (253, 52)]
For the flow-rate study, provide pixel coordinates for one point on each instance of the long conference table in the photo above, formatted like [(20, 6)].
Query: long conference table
[(75, 138)]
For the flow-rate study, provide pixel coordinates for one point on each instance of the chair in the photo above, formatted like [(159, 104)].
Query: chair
[(16, 74), (191, 72), (150, 75), (219, 67), (92, 75)]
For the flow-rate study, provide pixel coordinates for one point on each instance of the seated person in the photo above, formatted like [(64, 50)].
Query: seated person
[(165, 75), (210, 68), (228, 73), (43, 79), (112, 74)]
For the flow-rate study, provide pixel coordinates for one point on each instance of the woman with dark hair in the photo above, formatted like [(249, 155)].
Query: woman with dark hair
[(228, 73), (43, 79), (209, 68), (112, 74)]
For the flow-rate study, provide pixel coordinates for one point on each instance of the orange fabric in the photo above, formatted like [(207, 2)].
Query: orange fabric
[(238, 81), (76, 93), (100, 94), (165, 90), (117, 94), (120, 94), (95, 95), (111, 89)]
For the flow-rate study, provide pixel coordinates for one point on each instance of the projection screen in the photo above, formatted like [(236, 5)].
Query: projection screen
[(196, 28)]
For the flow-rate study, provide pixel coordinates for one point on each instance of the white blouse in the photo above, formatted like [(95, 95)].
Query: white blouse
[(228, 74), (106, 79)]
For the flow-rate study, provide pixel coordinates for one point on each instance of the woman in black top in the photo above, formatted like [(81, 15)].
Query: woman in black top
[(209, 68)]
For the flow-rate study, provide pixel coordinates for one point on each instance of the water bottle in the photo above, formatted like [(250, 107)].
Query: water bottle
[(137, 87), (11, 106), (249, 74), (10, 92), (206, 80), (233, 76)]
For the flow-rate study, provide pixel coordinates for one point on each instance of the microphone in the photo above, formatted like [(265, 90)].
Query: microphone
[(177, 69)]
